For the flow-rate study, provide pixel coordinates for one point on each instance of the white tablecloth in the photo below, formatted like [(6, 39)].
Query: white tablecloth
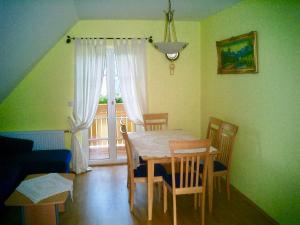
[(156, 143)]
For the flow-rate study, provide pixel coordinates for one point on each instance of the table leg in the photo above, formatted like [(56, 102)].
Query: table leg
[(210, 178), (150, 177), (23, 215), (41, 215), (61, 207), (57, 208)]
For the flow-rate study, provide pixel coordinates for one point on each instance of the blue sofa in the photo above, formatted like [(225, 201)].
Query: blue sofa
[(18, 160)]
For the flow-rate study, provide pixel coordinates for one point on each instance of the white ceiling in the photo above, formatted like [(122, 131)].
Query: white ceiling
[(148, 9), (29, 28)]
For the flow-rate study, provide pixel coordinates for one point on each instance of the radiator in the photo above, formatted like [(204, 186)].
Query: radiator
[(42, 140)]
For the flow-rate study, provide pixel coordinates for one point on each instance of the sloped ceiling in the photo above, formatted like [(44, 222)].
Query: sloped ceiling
[(29, 28), (148, 9)]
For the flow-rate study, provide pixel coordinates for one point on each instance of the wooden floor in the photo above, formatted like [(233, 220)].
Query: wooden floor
[(101, 198)]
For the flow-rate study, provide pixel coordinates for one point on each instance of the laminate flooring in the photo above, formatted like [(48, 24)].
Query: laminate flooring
[(101, 198)]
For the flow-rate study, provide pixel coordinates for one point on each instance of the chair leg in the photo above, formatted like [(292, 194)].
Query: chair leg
[(195, 201), (215, 182), (219, 184), (174, 210), (131, 196), (165, 198), (129, 187), (159, 186), (199, 202), (129, 192), (203, 209), (128, 180), (228, 186)]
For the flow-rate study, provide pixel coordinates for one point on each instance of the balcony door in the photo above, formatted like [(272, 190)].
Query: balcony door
[(106, 145)]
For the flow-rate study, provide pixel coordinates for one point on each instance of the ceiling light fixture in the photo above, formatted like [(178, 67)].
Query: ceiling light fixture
[(170, 45)]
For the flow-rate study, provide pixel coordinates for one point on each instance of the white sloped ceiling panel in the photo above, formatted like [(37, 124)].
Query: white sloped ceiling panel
[(29, 28)]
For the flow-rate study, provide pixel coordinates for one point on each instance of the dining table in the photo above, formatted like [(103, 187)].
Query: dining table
[(153, 147)]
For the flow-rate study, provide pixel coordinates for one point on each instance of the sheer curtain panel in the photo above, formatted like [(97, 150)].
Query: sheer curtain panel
[(130, 56), (90, 56)]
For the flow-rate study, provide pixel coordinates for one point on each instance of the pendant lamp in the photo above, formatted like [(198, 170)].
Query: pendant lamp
[(170, 45)]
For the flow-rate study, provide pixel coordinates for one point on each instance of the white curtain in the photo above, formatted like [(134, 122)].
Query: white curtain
[(130, 56), (90, 65)]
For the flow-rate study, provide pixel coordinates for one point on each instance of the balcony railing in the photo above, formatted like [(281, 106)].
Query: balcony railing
[(98, 132)]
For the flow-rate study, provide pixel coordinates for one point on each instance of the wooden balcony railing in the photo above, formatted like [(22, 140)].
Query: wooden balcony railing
[(98, 132)]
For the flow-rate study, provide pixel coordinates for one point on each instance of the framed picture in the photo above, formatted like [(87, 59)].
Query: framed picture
[(238, 54)]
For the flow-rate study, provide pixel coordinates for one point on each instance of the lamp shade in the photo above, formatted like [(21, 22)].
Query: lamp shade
[(170, 47)]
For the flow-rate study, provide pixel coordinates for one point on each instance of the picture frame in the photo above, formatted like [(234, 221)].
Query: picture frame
[(238, 55)]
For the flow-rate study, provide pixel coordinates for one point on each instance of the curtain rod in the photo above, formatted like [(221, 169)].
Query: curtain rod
[(69, 38)]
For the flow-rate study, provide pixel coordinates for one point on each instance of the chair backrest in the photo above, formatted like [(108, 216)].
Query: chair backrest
[(123, 130), (226, 138), (213, 129), (189, 155), (155, 121)]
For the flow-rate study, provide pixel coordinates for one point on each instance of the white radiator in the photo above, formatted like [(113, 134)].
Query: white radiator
[(42, 140)]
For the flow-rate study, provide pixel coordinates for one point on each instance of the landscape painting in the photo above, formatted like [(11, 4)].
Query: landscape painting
[(238, 54)]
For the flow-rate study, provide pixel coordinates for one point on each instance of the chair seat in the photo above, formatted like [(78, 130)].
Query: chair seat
[(168, 179), (141, 171), (142, 161), (218, 166)]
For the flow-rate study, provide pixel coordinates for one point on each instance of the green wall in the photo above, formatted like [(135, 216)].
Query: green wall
[(265, 105), (40, 101)]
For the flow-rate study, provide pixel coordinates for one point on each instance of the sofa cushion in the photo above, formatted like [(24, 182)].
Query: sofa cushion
[(10, 177), (46, 161), (11, 146)]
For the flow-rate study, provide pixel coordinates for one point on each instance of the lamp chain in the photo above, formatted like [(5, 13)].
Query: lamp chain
[(172, 68), (174, 31)]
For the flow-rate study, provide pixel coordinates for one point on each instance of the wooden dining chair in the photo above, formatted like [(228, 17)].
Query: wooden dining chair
[(222, 162), (188, 179), (139, 174), (213, 129), (155, 121)]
